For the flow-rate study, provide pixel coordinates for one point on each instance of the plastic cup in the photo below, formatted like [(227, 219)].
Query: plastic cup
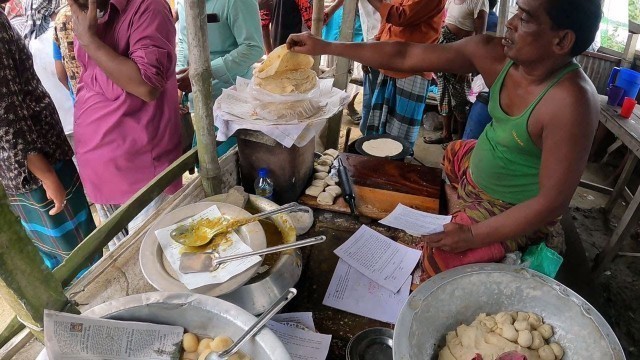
[(615, 95), (628, 106)]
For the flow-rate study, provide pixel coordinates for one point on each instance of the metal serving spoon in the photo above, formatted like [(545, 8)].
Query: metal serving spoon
[(253, 329), (211, 260), (182, 234)]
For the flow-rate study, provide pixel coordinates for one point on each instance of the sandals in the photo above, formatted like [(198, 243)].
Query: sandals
[(437, 140), (354, 115)]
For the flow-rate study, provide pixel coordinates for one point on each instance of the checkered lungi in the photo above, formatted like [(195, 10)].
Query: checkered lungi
[(453, 88), (55, 236), (398, 106)]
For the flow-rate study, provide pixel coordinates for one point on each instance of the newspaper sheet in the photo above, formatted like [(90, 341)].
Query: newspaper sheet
[(71, 337)]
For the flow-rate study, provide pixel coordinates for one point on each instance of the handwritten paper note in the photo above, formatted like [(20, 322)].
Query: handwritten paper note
[(379, 258), (226, 271), (415, 222), (301, 344), (353, 292)]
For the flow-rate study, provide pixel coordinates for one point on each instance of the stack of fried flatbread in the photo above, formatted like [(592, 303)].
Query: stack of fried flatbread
[(285, 72)]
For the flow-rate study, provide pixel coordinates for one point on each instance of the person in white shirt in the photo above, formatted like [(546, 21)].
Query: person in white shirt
[(464, 18)]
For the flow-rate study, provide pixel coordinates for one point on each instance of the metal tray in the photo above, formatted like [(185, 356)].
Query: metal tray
[(458, 295), (371, 344), (160, 274), (203, 315)]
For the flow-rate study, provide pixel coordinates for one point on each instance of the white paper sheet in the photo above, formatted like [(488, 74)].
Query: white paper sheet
[(301, 318), (379, 258), (415, 222), (353, 292), (226, 271), (236, 109), (301, 344)]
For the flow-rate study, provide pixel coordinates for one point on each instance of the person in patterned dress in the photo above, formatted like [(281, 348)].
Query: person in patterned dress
[(36, 170)]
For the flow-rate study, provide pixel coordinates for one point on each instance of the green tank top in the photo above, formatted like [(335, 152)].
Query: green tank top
[(506, 162)]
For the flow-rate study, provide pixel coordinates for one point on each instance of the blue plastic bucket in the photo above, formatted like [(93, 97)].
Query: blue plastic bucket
[(627, 79)]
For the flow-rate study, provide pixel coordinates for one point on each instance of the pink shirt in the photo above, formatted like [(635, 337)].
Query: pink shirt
[(121, 141)]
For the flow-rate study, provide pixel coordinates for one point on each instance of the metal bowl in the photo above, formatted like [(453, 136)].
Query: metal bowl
[(202, 315), (458, 295), (160, 273), (371, 344)]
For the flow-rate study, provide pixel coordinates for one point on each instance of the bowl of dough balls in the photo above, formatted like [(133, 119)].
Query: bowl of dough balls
[(500, 312), (210, 324)]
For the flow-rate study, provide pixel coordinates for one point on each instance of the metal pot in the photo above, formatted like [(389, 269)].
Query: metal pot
[(458, 295), (203, 315)]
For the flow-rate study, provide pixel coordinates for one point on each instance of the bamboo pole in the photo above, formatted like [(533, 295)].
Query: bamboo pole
[(317, 22), (342, 70), (26, 285), (201, 76)]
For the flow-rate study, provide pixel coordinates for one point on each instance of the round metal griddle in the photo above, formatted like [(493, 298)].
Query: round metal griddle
[(406, 147), (457, 296)]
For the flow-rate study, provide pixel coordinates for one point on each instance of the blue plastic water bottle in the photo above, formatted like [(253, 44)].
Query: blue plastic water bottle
[(263, 184)]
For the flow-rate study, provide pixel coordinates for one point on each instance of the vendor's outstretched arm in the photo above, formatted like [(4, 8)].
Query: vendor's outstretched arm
[(478, 53)]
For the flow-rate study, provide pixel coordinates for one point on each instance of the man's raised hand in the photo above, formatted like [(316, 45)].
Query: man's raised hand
[(307, 43)]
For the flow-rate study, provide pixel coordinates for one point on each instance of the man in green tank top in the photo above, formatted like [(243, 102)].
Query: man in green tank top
[(521, 174)]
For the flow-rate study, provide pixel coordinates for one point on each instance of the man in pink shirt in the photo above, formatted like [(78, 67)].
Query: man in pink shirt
[(127, 127)]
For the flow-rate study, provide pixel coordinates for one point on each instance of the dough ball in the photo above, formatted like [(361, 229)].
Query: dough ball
[(326, 198), (522, 316), (522, 325), (514, 315), (321, 168), (302, 220), (557, 350), (509, 332), (190, 342), (221, 343), (546, 331), (334, 190), (490, 323), (327, 158), (313, 190), (535, 320), (504, 318), (189, 356), (319, 183), (239, 356), (205, 344), (320, 175), (325, 162), (524, 338), (445, 354), (331, 152), (203, 355), (331, 180), (537, 342), (546, 353)]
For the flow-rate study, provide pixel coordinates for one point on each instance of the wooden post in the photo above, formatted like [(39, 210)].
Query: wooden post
[(26, 284), (201, 77), (503, 16), (317, 22), (342, 70), (629, 50)]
